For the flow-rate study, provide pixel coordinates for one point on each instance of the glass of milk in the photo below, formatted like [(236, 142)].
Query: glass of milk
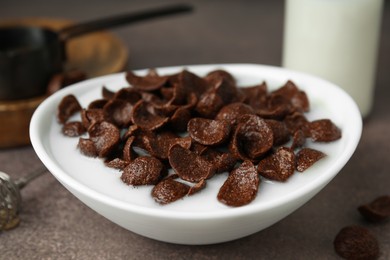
[(336, 40)]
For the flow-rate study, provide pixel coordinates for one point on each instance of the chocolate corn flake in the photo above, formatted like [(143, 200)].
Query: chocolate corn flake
[(297, 98), (132, 130), (216, 75), (197, 187), (221, 161), (306, 157), (256, 96), (299, 139), (376, 211), (191, 82), (142, 117), (278, 166), (276, 107), (118, 112), (116, 163), (128, 94), (92, 116), (209, 104), (68, 106), (252, 138), (197, 126), (232, 112), (356, 242), (208, 131), (159, 144), (169, 190), (324, 130), (107, 94), (280, 132), (128, 152), (73, 129), (241, 186), (198, 148), (144, 170), (149, 82), (87, 147), (97, 104), (105, 137), (297, 121), (188, 165), (180, 118)]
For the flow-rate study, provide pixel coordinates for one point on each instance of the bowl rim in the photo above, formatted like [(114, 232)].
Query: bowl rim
[(38, 143)]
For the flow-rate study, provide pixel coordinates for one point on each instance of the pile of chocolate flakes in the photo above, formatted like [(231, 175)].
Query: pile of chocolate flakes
[(199, 127)]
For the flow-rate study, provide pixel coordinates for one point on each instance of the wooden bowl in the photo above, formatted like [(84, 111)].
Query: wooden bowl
[(95, 54)]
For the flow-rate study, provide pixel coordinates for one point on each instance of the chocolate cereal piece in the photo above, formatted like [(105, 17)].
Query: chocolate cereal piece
[(227, 90), (279, 130), (221, 93), (299, 139), (87, 147), (188, 165), (180, 118), (116, 163), (297, 98), (198, 148), (208, 131), (221, 161), (191, 82), (118, 112), (146, 83), (277, 107), (91, 116), (241, 186), (159, 144), (169, 190), (306, 157), (129, 95), (144, 170), (278, 166), (232, 112), (252, 138), (377, 210), (209, 104), (142, 117), (324, 130), (197, 187), (68, 106), (105, 136), (64, 79), (128, 152), (107, 94), (73, 129), (297, 121), (216, 75), (256, 96), (356, 242), (97, 104)]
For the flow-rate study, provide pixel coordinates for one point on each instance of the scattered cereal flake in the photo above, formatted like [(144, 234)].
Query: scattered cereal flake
[(356, 242)]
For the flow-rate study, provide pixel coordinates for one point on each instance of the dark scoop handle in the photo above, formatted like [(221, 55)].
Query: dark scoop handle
[(109, 22)]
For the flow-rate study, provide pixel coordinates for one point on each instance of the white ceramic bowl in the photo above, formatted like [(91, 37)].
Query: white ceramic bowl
[(199, 219)]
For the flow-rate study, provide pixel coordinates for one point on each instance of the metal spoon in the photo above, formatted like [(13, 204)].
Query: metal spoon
[(11, 199)]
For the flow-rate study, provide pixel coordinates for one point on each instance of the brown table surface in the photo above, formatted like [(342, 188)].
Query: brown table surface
[(56, 225)]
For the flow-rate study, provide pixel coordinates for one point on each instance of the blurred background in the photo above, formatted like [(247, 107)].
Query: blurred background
[(215, 33)]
